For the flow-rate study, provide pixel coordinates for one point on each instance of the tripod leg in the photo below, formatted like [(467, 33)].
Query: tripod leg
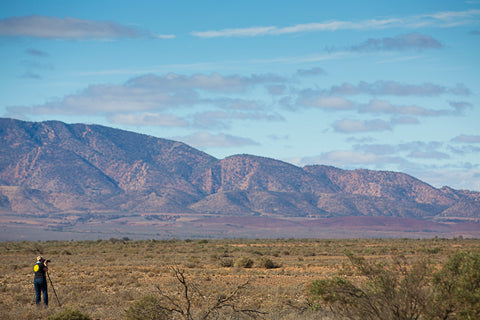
[(54, 289)]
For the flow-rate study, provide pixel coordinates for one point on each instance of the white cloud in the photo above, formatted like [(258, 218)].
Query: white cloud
[(68, 28), (276, 89), (396, 88), (439, 20), (404, 120), (239, 32), (221, 119), (328, 103), (311, 72), (402, 42), (152, 93), (148, 119), (204, 140), (355, 126), (234, 103), (464, 138), (112, 98), (383, 106), (299, 28), (213, 82), (446, 19), (427, 161), (457, 178), (429, 155), (346, 158)]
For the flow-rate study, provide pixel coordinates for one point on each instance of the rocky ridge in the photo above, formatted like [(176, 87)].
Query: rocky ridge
[(52, 167)]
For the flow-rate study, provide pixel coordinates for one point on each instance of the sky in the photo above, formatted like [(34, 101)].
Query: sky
[(380, 85)]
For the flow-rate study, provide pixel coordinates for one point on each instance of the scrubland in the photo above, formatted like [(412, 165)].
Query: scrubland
[(270, 278)]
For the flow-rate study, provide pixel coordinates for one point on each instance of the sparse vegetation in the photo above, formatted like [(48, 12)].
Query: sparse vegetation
[(244, 262), (404, 291), (69, 314), (146, 308), (120, 278)]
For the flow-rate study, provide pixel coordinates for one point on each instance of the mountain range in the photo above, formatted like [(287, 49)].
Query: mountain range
[(68, 174)]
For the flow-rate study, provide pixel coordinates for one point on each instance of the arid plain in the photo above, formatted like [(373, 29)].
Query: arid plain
[(103, 278)]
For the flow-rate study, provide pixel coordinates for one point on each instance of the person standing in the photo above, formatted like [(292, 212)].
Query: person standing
[(40, 280)]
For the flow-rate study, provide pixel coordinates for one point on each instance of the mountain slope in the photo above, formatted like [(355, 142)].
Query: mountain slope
[(52, 167), (98, 166)]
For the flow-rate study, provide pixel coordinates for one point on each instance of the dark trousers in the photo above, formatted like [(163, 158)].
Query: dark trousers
[(41, 287)]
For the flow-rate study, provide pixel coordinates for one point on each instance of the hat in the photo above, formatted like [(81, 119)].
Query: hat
[(40, 258)]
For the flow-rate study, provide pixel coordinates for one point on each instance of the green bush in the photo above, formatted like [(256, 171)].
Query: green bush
[(69, 314), (147, 308), (457, 288), (394, 291)]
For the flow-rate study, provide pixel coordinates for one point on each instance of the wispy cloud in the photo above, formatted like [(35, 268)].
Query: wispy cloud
[(338, 99), (213, 82), (356, 126), (402, 42), (439, 20), (396, 88), (299, 28), (311, 72), (371, 153), (156, 101), (348, 158), (36, 53), (386, 107), (333, 103), (429, 155), (204, 140), (220, 119), (147, 119), (464, 138), (31, 75), (68, 28), (446, 19), (151, 92)]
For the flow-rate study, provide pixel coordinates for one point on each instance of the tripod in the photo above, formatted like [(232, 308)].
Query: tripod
[(53, 289)]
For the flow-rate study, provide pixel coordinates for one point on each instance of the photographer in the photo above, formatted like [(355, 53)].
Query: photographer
[(40, 280)]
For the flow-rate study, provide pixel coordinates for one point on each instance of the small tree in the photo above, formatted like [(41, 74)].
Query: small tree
[(393, 291), (457, 288), (190, 296)]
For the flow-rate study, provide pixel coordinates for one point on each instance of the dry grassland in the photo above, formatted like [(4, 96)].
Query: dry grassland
[(103, 278)]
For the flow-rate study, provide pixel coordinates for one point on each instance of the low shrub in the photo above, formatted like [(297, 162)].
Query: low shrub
[(244, 262), (147, 308), (226, 263), (268, 263), (69, 314)]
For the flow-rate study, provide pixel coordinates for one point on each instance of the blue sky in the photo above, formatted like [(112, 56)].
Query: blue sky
[(355, 84)]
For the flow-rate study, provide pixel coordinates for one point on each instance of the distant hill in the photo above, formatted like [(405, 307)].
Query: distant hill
[(56, 168)]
